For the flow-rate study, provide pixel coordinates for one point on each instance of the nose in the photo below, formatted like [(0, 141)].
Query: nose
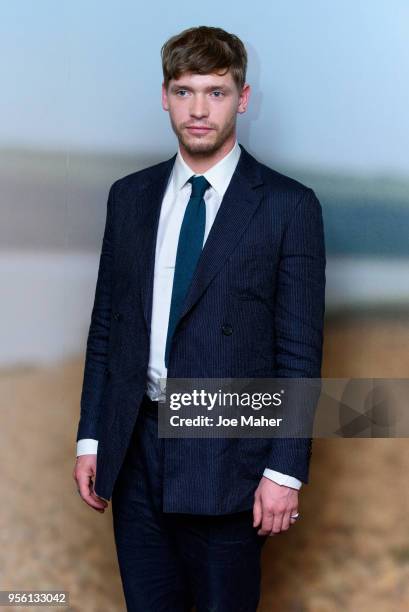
[(199, 108)]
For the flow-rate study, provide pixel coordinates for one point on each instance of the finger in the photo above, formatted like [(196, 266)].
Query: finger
[(94, 502), (85, 492), (267, 522), (286, 520), (99, 499), (292, 513), (257, 512), (96, 497), (277, 522)]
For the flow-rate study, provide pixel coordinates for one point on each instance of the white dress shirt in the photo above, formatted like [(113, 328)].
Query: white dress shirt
[(173, 208)]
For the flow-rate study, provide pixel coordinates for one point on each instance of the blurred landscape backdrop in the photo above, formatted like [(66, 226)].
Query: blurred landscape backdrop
[(52, 219), (81, 107)]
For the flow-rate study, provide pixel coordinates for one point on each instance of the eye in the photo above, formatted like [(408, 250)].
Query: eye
[(181, 92), (217, 93)]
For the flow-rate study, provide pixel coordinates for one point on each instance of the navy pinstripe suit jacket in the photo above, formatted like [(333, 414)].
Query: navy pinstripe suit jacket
[(260, 277)]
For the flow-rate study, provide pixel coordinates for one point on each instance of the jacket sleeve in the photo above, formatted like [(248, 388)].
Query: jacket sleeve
[(96, 357), (299, 320)]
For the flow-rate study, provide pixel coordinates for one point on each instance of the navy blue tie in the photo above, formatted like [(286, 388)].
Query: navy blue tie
[(188, 252)]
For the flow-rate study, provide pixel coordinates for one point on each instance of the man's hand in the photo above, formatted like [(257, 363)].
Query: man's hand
[(84, 475), (273, 506)]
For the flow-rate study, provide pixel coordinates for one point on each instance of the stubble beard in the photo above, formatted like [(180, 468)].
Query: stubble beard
[(202, 146)]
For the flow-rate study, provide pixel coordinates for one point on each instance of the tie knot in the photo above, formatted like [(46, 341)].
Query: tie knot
[(199, 186)]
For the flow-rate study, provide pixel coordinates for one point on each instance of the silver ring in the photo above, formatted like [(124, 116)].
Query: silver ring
[(294, 516)]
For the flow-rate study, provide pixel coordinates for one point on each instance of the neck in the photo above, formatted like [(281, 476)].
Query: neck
[(200, 163)]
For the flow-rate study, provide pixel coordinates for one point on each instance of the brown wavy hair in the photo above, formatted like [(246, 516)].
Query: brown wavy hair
[(203, 50)]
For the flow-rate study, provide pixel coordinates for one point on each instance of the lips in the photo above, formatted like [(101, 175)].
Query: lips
[(198, 129)]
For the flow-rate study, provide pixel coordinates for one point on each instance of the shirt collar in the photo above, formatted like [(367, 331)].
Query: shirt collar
[(219, 175)]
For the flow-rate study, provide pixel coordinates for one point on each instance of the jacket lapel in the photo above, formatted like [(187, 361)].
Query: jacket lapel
[(150, 201), (236, 209)]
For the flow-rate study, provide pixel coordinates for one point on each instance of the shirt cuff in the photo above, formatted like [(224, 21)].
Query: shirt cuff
[(87, 446), (282, 479)]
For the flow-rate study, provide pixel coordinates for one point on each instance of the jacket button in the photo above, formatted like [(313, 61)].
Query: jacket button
[(227, 330), (117, 316)]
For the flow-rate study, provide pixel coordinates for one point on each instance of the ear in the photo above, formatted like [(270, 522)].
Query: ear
[(165, 103), (244, 99)]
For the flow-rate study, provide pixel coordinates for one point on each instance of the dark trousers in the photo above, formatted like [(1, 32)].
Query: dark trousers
[(170, 561)]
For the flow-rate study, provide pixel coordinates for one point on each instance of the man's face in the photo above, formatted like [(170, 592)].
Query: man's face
[(203, 110)]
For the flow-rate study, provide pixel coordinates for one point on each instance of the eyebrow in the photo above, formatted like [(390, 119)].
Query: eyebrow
[(175, 87)]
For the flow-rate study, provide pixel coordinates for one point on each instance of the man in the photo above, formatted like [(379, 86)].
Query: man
[(212, 266)]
